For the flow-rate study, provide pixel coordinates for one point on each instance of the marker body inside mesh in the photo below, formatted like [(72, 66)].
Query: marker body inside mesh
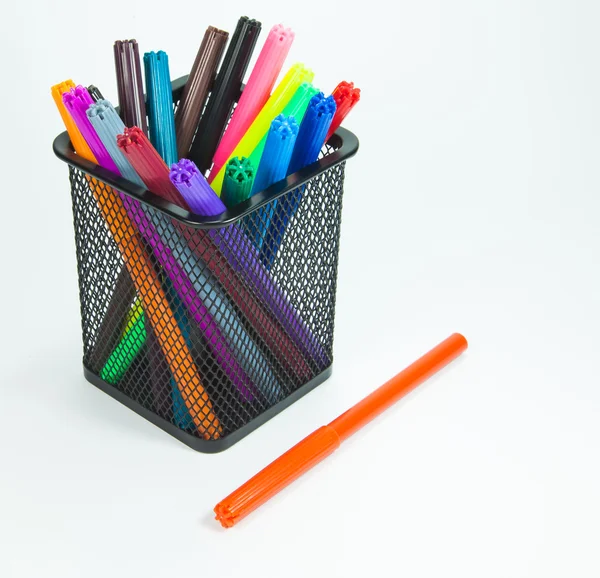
[(120, 214)]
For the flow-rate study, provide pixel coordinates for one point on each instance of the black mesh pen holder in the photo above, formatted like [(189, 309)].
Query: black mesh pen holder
[(212, 325)]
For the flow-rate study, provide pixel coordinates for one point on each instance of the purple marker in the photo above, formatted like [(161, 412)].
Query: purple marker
[(241, 253)]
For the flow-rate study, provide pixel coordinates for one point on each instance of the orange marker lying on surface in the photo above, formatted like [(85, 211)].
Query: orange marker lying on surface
[(324, 441)]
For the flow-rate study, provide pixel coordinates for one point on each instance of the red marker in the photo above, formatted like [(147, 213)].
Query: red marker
[(346, 97)]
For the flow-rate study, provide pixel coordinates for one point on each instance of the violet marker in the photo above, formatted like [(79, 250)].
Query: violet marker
[(243, 256)]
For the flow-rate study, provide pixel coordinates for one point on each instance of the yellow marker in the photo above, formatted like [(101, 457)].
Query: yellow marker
[(285, 90), (133, 316)]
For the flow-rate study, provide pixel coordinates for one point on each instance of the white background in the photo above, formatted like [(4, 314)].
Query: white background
[(480, 138)]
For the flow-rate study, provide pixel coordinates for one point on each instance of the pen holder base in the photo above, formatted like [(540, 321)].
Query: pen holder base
[(198, 444)]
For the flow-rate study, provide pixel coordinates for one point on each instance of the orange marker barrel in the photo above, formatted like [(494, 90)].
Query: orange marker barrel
[(324, 441)]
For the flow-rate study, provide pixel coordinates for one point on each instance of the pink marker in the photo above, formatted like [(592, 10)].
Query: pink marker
[(256, 93)]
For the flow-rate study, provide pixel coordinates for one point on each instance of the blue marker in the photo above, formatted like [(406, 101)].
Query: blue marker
[(273, 167), (310, 140)]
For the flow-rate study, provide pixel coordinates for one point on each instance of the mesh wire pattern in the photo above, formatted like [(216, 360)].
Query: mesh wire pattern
[(209, 331), (265, 328)]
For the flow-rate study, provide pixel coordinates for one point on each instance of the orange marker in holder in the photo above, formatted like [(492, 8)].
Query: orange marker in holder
[(324, 441)]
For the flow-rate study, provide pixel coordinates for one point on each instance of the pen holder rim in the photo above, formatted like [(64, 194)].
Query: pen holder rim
[(346, 144)]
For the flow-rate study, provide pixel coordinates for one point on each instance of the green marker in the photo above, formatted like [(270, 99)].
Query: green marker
[(130, 345), (237, 184)]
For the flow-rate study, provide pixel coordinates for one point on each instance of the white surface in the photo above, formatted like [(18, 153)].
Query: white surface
[(489, 226)]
